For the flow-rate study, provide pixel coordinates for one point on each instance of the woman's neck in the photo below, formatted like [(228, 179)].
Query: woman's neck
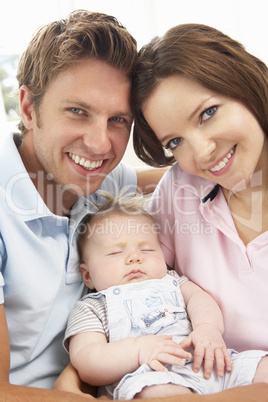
[(249, 208)]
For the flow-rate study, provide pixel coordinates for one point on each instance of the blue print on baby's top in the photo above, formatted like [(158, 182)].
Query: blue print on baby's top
[(149, 315)]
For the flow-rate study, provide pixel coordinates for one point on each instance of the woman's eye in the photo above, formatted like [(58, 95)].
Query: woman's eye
[(208, 113), (173, 144)]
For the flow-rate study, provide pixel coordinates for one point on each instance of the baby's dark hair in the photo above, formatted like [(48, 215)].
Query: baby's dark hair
[(123, 204)]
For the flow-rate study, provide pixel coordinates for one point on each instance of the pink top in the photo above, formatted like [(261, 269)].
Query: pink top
[(200, 241)]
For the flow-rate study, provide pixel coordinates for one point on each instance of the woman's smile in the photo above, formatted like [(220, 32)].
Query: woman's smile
[(223, 162)]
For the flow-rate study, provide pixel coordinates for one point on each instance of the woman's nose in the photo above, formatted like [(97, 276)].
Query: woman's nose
[(203, 150)]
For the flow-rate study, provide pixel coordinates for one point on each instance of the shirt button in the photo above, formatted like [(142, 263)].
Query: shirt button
[(175, 283), (116, 291)]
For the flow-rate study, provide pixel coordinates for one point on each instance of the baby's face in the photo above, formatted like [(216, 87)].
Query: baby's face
[(123, 249)]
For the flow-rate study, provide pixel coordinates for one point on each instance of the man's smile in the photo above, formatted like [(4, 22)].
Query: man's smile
[(86, 163)]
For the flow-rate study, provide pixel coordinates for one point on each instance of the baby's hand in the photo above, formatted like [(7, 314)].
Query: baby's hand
[(157, 349), (208, 346)]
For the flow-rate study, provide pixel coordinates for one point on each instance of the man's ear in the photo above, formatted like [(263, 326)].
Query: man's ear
[(86, 277), (26, 107)]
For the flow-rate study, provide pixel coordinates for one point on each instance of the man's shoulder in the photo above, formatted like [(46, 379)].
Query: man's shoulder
[(121, 177), (9, 156)]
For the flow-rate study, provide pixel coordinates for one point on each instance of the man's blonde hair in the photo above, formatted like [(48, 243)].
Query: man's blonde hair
[(59, 44)]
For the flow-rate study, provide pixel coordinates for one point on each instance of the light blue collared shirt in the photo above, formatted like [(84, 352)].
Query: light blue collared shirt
[(39, 270)]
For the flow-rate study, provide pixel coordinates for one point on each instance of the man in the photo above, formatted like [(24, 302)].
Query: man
[(74, 81)]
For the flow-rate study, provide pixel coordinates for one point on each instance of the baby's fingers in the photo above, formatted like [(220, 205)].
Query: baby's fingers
[(227, 359), (157, 366), (165, 358), (172, 354), (223, 361), (207, 355), (199, 354), (177, 351), (186, 343)]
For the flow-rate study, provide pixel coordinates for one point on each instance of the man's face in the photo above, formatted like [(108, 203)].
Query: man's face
[(82, 127)]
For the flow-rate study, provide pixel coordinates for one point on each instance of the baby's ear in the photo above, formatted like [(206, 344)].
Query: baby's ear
[(86, 277)]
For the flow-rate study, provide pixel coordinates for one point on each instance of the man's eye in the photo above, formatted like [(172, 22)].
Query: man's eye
[(118, 119), (173, 144), (208, 113), (76, 110)]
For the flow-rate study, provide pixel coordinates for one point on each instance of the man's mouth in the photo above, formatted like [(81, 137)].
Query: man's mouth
[(223, 162), (87, 164)]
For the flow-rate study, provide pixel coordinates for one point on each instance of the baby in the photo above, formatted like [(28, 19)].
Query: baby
[(133, 333)]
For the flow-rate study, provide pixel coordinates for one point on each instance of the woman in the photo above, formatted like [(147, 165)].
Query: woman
[(201, 100)]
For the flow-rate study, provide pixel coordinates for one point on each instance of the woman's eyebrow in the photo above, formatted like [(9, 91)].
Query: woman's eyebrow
[(198, 108)]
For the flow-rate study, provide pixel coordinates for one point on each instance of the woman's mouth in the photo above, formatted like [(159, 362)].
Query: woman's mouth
[(220, 165), (86, 163)]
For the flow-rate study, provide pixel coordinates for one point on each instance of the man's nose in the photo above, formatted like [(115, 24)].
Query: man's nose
[(97, 138)]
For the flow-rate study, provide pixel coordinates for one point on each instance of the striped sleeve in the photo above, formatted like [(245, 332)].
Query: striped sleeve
[(88, 315), (180, 279)]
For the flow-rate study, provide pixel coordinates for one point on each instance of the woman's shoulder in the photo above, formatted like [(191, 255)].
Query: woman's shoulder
[(175, 179)]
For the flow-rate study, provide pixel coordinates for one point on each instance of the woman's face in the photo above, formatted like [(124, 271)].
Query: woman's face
[(210, 136)]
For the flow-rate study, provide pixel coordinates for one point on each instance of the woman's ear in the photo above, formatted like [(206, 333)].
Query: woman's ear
[(26, 107), (86, 277)]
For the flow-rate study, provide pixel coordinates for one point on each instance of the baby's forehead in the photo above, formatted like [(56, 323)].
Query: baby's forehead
[(121, 224), (121, 215)]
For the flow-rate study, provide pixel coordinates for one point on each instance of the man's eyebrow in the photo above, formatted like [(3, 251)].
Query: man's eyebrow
[(126, 113), (79, 103), (83, 105)]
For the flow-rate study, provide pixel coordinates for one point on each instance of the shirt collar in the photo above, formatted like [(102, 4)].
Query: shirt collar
[(21, 194), (212, 194), (203, 188)]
